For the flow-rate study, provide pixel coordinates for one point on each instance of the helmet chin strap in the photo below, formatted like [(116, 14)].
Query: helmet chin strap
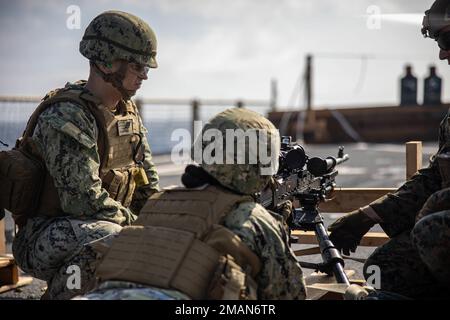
[(116, 79)]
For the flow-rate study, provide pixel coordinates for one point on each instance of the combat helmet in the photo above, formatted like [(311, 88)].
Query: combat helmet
[(117, 35), (436, 18), (245, 165)]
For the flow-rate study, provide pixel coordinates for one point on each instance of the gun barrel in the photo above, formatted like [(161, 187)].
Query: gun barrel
[(318, 166), (343, 159)]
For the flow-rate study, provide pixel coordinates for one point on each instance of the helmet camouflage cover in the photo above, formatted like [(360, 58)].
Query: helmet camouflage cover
[(436, 18), (115, 35), (244, 176)]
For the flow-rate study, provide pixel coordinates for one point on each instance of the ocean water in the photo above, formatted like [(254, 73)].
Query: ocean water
[(161, 122), (159, 133)]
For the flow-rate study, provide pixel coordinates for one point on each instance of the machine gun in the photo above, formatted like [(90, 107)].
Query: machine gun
[(308, 181)]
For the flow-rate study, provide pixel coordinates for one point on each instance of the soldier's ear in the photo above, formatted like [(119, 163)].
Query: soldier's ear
[(106, 67)]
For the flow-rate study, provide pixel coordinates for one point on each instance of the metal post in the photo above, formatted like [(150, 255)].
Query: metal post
[(309, 131), (308, 82), (195, 104), (273, 94)]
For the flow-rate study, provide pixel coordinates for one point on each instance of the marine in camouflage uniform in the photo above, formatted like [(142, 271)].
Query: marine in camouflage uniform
[(264, 233), (66, 138), (415, 262)]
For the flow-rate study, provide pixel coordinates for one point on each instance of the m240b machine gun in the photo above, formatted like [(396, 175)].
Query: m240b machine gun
[(308, 181)]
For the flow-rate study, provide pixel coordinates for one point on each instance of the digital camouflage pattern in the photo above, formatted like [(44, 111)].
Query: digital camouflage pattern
[(280, 277), (416, 264), (116, 35), (73, 162), (74, 165), (435, 203), (399, 209), (431, 237), (401, 268), (415, 261), (233, 175), (48, 248), (123, 290)]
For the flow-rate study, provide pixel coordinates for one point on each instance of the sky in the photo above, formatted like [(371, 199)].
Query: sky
[(230, 49)]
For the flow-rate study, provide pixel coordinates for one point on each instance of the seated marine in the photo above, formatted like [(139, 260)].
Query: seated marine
[(208, 239)]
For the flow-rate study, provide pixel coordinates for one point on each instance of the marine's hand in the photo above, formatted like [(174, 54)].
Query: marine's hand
[(347, 231), (285, 210), (438, 201)]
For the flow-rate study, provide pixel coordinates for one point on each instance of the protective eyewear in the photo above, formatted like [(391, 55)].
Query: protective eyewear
[(139, 69)]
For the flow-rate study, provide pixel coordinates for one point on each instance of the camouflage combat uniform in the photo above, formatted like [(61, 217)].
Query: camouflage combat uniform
[(280, 275), (94, 179), (415, 262), (45, 247)]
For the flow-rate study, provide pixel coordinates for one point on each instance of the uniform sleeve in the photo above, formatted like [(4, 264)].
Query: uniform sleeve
[(281, 276), (142, 193), (398, 210), (67, 138)]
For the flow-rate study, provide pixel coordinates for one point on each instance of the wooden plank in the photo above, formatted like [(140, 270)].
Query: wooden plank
[(349, 199), (307, 252), (371, 239), (6, 260), (23, 281), (2, 237), (318, 277), (413, 158)]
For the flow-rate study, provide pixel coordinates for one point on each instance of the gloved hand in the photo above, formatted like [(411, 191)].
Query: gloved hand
[(285, 210), (438, 201), (347, 231)]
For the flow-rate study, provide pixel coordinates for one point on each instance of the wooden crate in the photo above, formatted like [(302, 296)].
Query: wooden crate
[(9, 273)]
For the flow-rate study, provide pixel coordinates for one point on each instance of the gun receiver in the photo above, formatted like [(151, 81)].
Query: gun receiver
[(308, 181)]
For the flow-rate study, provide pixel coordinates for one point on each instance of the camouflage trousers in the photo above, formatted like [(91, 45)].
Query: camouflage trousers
[(55, 250), (416, 263), (123, 290)]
